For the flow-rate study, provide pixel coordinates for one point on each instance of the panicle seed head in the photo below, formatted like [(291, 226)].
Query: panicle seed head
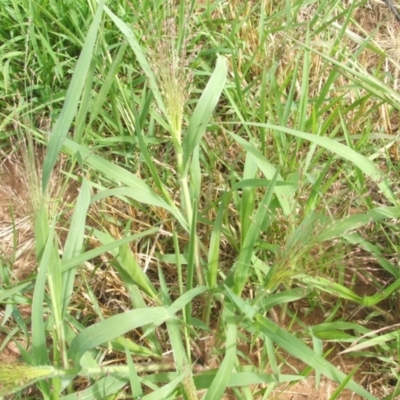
[(170, 62), (16, 375)]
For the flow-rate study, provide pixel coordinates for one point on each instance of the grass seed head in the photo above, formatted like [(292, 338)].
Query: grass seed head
[(170, 62), (16, 375)]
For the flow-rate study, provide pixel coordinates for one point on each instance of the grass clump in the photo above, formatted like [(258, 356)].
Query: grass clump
[(226, 225)]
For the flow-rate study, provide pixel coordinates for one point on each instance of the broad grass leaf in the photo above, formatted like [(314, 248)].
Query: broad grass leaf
[(136, 188), (204, 380), (71, 103), (204, 109), (117, 325)]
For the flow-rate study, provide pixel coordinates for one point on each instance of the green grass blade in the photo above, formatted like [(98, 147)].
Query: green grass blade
[(284, 194), (204, 109), (335, 395), (115, 326), (88, 255), (133, 376), (137, 188), (362, 162), (74, 92), (140, 56), (248, 197), (6, 293), (244, 259), (106, 85), (166, 391), (74, 241), (214, 248), (102, 388), (298, 349), (221, 380), (39, 346)]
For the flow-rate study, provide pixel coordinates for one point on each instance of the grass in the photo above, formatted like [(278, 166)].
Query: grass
[(212, 190)]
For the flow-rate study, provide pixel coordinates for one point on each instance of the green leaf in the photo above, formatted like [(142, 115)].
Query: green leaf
[(284, 194), (221, 380), (103, 387), (362, 162), (246, 252), (135, 188), (74, 241), (71, 103), (141, 58), (88, 255), (298, 349), (204, 109), (115, 326)]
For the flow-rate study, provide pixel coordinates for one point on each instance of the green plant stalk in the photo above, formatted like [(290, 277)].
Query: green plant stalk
[(59, 328)]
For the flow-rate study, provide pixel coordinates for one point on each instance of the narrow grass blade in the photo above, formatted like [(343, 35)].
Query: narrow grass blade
[(357, 239), (204, 109), (248, 197), (74, 92), (133, 376), (335, 395), (88, 255), (131, 266), (137, 188), (362, 162), (74, 241), (284, 194), (127, 266), (101, 389), (354, 222), (244, 259), (140, 56), (204, 380), (178, 349), (6, 293), (337, 289), (376, 341), (140, 119), (106, 84), (165, 391), (213, 251), (39, 346), (187, 297), (298, 349), (221, 380)]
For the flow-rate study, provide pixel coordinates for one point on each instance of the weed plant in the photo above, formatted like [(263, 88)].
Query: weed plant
[(212, 190)]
